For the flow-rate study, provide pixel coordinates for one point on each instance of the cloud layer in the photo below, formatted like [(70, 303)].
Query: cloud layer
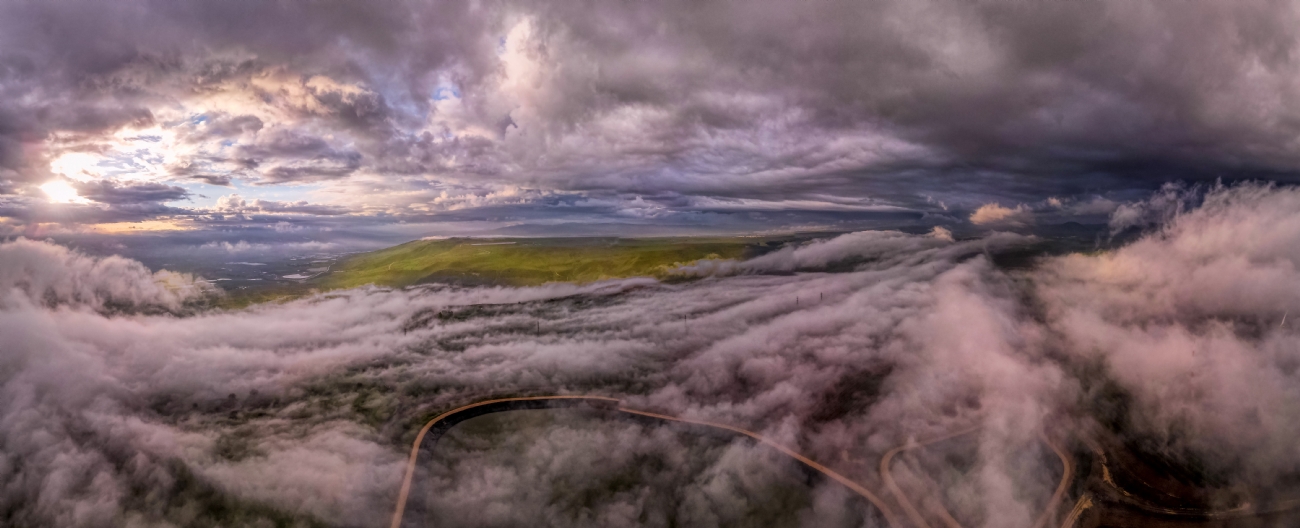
[(757, 115), (843, 348)]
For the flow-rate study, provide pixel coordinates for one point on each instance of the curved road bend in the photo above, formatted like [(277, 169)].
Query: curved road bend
[(445, 421), (1244, 510), (1067, 471), (915, 516), (1084, 503), (908, 507)]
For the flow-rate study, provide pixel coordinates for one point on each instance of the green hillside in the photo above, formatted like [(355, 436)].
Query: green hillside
[(526, 262)]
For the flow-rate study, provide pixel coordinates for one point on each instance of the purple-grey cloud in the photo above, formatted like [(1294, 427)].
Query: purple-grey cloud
[(866, 102), (876, 339)]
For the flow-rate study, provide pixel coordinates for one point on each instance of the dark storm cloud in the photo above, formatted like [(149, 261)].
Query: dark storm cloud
[(222, 126), (293, 157), (108, 192), (189, 173), (89, 67), (1050, 95), (940, 107), (235, 203), (27, 210)]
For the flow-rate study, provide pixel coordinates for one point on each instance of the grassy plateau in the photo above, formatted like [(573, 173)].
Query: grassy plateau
[(509, 262)]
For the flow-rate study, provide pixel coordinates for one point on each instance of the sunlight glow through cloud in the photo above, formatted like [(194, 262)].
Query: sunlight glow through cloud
[(60, 191), (79, 166)]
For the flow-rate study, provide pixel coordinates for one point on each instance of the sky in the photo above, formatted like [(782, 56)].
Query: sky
[(313, 121)]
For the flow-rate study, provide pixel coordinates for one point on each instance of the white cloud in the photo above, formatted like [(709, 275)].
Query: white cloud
[(941, 233), (1185, 320), (993, 214)]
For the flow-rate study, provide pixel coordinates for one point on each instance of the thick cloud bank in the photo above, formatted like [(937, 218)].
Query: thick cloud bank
[(1193, 321), (52, 275), (719, 116), (845, 349)]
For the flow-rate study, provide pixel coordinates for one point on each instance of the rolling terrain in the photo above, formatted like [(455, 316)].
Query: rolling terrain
[(528, 262), (504, 262)]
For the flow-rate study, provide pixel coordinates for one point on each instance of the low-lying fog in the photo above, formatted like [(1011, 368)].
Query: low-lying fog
[(123, 404)]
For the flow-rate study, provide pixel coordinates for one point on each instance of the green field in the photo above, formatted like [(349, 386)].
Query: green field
[(527, 262), (509, 262)]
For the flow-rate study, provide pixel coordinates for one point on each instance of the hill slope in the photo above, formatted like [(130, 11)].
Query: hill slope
[(527, 262)]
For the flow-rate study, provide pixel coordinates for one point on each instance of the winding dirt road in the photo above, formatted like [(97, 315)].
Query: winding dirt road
[(405, 492), (450, 418), (1241, 511), (1067, 471), (914, 515)]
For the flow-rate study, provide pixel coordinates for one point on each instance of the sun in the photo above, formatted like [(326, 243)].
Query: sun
[(60, 191)]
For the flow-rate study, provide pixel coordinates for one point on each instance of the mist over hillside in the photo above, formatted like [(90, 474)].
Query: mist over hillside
[(125, 402)]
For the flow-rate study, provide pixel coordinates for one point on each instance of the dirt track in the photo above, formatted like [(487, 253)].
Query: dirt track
[(446, 420)]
